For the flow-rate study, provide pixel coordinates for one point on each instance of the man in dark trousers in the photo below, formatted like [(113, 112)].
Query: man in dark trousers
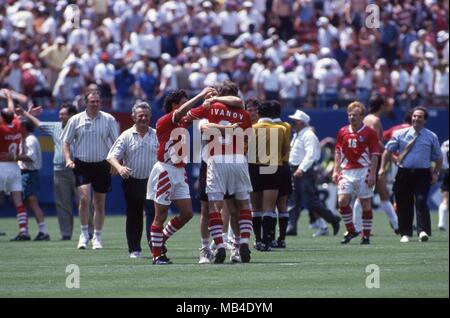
[(133, 155), (418, 147)]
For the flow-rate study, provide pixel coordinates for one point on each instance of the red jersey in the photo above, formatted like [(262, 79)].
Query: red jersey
[(10, 136), (221, 114), (387, 135), (356, 147), (170, 151)]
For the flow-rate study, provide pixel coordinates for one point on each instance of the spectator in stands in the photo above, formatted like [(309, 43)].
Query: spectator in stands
[(440, 89), (328, 83), (363, 79), (400, 83), (124, 84), (387, 38), (69, 84), (269, 83)]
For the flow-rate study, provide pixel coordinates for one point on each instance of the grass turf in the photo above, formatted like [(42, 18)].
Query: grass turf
[(309, 267)]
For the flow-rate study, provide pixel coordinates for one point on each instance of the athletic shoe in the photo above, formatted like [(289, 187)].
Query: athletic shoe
[(212, 246), (291, 231), (257, 246), (21, 237), (274, 244), (66, 238), (83, 242), (321, 232), (42, 237), (423, 237), (281, 243), (314, 225), (2, 233), (404, 239), (264, 248), (244, 251), (161, 260), (336, 225), (396, 231), (221, 254), (97, 243), (235, 255), (206, 255), (348, 237), (365, 241), (442, 228), (135, 254)]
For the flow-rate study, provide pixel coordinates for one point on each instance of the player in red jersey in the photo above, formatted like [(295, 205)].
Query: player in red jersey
[(10, 177), (356, 158), (168, 180), (227, 171)]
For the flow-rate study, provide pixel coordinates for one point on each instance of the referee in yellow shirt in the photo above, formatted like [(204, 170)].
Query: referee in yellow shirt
[(265, 173)]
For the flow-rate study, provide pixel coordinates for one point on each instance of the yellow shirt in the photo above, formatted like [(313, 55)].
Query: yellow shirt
[(54, 57), (269, 145), (287, 136)]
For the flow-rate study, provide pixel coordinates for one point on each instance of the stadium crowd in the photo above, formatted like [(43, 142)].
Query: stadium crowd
[(281, 53)]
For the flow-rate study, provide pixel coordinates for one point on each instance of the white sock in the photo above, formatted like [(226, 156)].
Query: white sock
[(205, 243), (42, 228), (85, 230), (388, 208), (357, 215), (322, 224), (97, 233), (230, 234), (443, 210)]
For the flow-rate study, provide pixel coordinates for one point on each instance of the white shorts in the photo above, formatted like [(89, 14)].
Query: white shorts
[(10, 177), (167, 183), (228, 178), (355, 181)]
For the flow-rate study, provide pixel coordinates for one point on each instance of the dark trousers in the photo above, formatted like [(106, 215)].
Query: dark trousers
[(135, 191), (411, 188), (305, 193)]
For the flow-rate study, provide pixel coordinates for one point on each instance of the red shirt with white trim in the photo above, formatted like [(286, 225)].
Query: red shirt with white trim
[(170, 150), (221, 114), (356, 147), (10, 136)]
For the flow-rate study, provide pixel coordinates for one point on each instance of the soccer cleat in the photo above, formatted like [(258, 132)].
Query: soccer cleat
[(281, 243), (221, 254), (274, 244), (66, 238), (42, 237), (206, 255), (2, 233), (404, 239), (21, 237), (314, 225), (265, 248), (423, 237), (336, 226), (135, 254), (97, 243), (161, 260), (244, 251), (235, 255), (365, 241), (257, 246), (83, 242), (348, 236), (321, 232), (291, 231)]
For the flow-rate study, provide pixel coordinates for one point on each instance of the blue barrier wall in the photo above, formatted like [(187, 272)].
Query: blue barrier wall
[(326, 122)]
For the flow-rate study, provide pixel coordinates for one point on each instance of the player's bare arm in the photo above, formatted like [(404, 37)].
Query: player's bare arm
[(337, 170), (371, 178), (182, 111), (232, 101)]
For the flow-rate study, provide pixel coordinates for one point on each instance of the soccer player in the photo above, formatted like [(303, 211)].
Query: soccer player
[(443, 207), (168, 180), (372, 120), (356, 158), (266, 185), (227, 172), (10, 178)]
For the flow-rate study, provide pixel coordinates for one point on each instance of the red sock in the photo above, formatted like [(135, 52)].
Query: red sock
[(172, 227), (215, 227), (245, 225), (22, 219), (367, 217), (347, 217), (157, 240)]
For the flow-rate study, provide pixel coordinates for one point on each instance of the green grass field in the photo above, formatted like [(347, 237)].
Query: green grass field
[(309, 267)]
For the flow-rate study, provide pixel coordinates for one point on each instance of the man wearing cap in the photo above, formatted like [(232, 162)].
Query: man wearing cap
[(326, 32), (420, 47), (54, 57), (248, 16), (11, 75), (442, 39), (69, 83), (104, 77), (305, 151)]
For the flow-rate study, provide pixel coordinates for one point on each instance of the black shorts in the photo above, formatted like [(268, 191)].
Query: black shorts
[(444, 185), (203, 196), (286, 180), (261, 182), (95, 173)]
